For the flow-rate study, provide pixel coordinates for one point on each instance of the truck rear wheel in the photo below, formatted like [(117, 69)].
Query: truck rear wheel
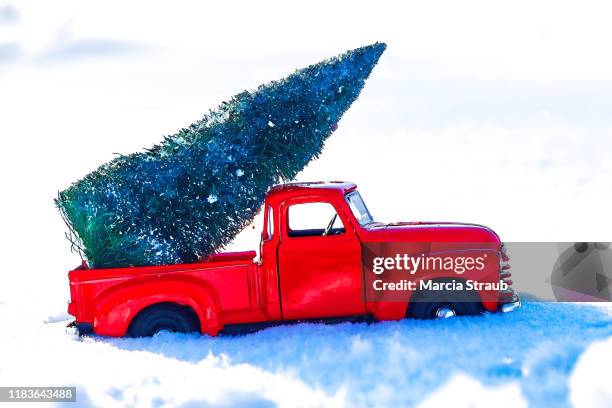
[(441, 304), (168, 317)]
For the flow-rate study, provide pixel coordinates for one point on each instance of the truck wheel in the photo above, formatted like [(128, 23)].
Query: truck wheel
[(442, 304), (162, 317)]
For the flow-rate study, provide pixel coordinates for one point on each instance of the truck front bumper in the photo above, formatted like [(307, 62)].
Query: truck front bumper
[(510, 307), (509, 301)]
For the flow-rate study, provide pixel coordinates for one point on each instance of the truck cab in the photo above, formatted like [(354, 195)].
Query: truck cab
[(310, 240), (314, 263)]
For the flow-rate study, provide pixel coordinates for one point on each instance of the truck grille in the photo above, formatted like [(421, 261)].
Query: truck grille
[(508, 295)]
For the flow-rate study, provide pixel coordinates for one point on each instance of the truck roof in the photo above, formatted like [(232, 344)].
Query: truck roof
[(340, 186)]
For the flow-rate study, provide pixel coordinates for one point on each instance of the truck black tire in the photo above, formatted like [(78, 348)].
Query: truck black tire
[(428, 304), (164, 317)]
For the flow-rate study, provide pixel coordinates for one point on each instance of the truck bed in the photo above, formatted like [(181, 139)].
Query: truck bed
[(233, 280)]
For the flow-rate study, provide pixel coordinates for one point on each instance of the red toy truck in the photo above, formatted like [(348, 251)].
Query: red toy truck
[(310, 267)]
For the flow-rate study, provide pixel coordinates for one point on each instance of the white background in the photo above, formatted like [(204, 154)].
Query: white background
[(487, 112)]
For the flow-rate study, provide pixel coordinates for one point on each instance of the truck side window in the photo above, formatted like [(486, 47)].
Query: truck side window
[(313, 220), (270, 228)]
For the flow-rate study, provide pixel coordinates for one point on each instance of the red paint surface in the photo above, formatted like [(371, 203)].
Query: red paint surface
[(295, 277)]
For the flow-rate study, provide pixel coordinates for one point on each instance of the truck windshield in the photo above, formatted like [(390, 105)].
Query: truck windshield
[(359, 209)]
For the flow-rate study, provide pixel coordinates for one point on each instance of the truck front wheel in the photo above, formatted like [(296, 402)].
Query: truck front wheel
[(164, 317), (441, 304)]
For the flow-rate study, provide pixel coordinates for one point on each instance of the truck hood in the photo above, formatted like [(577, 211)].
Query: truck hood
[(430, 231)]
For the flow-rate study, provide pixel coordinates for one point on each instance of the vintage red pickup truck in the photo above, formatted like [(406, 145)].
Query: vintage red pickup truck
[(310, 267)]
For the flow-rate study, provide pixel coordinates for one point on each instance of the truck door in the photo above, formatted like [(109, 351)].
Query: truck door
[(319, 261)]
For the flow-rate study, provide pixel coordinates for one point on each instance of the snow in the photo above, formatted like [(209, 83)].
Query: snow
[(590, 384), (212, 198), (58, 317), (535, 356), (464, 391)]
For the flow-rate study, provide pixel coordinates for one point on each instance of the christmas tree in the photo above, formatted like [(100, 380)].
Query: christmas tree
[(192, 193)]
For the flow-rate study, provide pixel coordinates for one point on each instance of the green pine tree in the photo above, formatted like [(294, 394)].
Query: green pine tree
[(192, 193)]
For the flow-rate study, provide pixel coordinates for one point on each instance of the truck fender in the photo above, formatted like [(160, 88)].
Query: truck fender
[(117, 307)]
